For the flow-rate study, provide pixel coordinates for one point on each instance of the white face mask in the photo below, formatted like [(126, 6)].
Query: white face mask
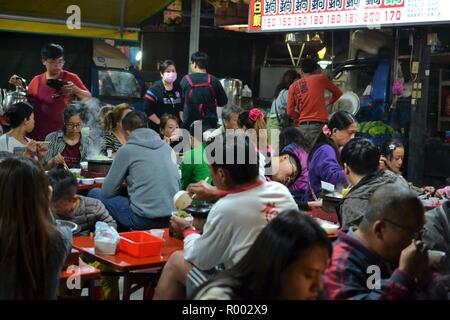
[(169, 77)]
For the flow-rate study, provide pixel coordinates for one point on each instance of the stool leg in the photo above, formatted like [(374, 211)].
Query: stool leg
[(126, 286)]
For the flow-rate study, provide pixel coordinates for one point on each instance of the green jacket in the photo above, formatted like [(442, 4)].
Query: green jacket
[(194, 167)]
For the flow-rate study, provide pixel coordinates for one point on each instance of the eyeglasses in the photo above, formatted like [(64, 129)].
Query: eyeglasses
[(416, 234), (294, 173), (74, 125)]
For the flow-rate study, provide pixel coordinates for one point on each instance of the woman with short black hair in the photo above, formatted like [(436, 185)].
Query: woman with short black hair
[(15, 142)]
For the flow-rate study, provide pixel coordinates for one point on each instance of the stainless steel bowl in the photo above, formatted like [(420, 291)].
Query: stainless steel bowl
[(75, 228)]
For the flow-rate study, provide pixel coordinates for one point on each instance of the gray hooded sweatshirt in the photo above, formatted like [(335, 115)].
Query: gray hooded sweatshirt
[(354, 205), (149, 167)]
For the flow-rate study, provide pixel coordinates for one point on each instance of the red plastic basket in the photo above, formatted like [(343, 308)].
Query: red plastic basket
[(140, 244)]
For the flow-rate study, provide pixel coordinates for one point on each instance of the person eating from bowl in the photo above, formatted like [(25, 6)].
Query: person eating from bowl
[(65, 204), (391, 159), (246, 205), (68, 147), (169, 130), (293, 144), (288, 168), (50, 101), (114, 136), (21, 119), (359, 158), (323, 159), (148, 165), (384, 258)]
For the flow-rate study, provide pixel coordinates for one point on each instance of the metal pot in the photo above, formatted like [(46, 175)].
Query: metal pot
[(232, 89), (75, 228), (99, 166), (8, 98)]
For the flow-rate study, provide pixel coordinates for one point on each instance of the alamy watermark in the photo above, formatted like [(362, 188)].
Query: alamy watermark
[(374, 280), (214, 150), (73, 282), (74, 20)]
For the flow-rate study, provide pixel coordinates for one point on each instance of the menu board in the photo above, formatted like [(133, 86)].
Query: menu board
[(298, 15)]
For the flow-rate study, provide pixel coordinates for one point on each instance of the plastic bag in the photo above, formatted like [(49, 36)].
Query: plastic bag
[(106, 239)]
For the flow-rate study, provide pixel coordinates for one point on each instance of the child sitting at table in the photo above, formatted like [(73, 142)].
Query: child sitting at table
[(85, 212), (67, 205)]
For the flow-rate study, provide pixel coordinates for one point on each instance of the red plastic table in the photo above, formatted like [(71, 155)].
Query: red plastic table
[(87, 274), (123, 263)]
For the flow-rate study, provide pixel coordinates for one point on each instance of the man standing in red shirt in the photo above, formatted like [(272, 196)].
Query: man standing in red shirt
[(306, 101), (50, 100)]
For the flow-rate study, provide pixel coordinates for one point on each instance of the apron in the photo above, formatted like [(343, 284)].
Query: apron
[(49, 106)]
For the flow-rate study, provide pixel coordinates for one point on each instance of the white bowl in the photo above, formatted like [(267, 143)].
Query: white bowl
[(87, 181), (435, 256), (182, 200), (84, 165), (329, 227), (189, 218), (75, 170), (99, 180)]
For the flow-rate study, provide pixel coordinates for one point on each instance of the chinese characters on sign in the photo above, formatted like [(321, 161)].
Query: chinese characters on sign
[(278, 15), (257, 14)]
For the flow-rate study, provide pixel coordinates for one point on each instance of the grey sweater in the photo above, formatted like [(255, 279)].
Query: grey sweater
[(89, 211), (355, 203), (149, 167)]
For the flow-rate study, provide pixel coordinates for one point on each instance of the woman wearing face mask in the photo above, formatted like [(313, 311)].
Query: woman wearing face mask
[(165, 96)]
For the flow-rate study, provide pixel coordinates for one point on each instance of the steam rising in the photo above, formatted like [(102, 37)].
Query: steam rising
[(93, 127)]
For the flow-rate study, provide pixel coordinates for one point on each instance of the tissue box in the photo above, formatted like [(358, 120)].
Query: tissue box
[(140, 244), (106, 246)]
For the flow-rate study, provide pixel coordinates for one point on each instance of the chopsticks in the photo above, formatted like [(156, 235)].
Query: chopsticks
[(205, 181), (66, 167)]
